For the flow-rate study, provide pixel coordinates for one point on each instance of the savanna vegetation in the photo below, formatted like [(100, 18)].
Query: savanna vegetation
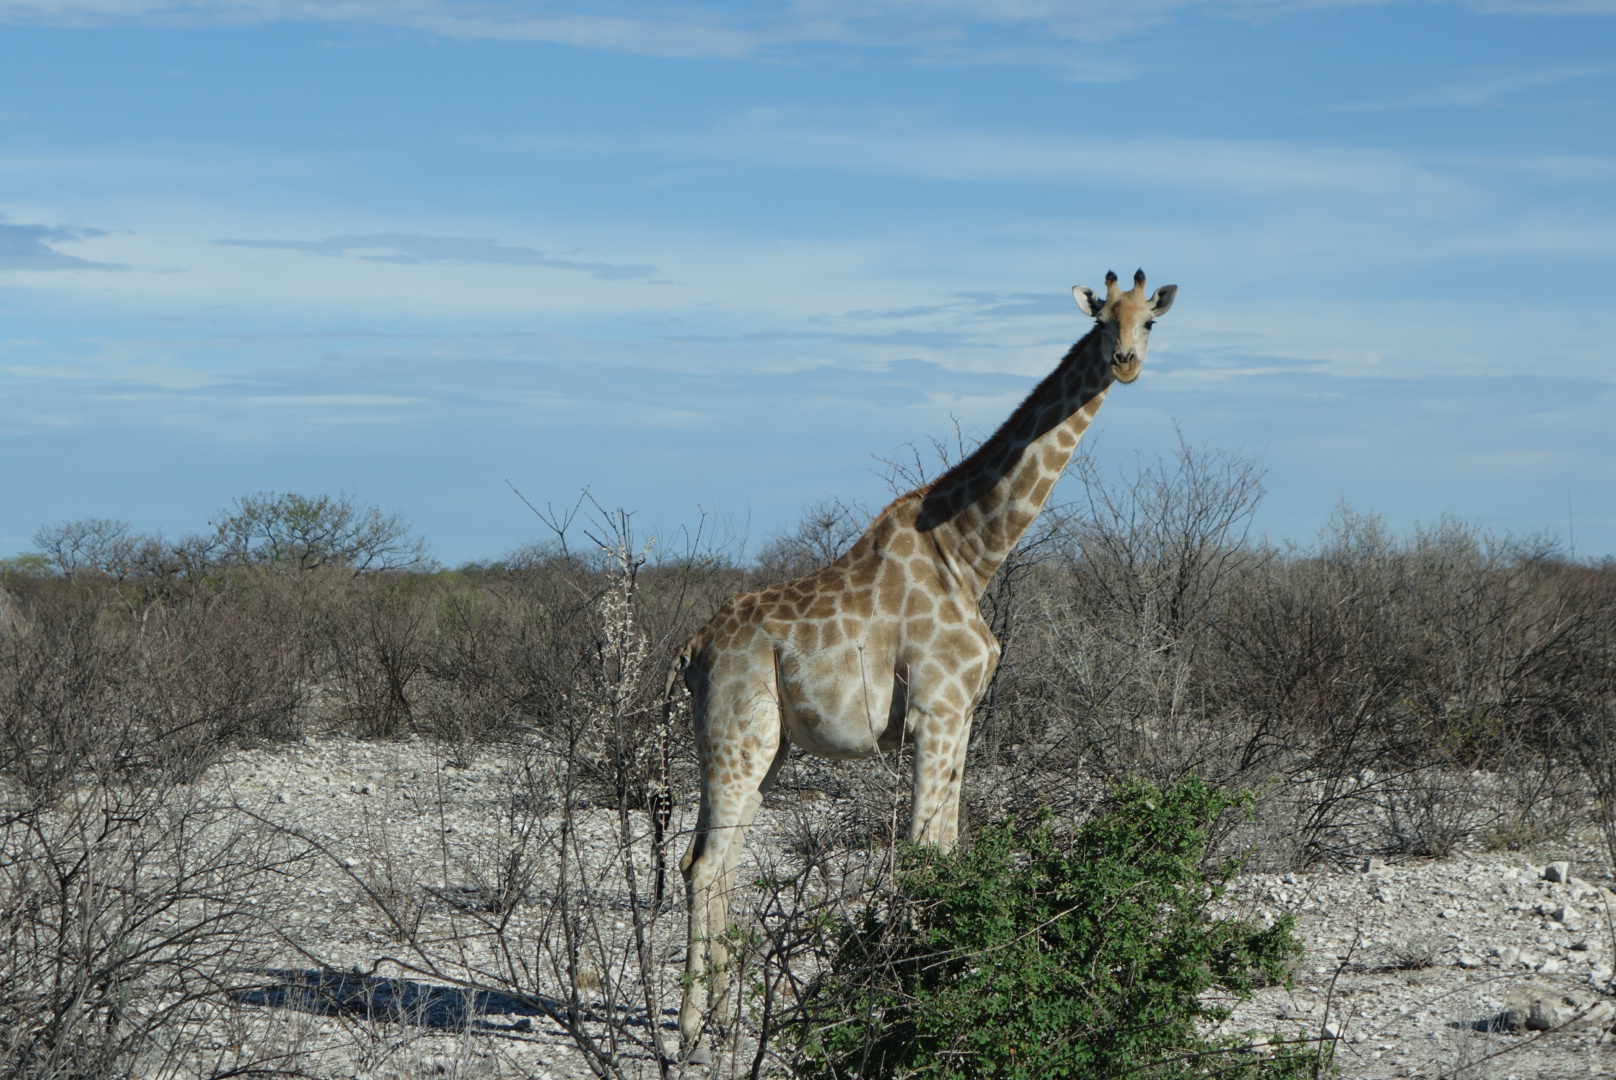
[(1365, 693)]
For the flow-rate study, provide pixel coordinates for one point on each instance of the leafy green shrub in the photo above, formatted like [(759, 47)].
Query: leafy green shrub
[(1038, 954)]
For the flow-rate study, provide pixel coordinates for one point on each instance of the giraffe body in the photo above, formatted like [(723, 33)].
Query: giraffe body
[(886, 646)]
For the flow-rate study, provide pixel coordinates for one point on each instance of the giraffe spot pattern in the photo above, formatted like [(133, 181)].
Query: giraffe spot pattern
[(892, 590), (885, 645)]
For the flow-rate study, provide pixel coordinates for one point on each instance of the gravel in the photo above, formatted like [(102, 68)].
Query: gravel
[(1492, 965)]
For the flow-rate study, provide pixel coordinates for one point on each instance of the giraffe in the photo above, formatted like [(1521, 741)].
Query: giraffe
[(885, 646)]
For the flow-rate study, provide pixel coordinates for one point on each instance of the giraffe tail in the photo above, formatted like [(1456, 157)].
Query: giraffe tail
[(687, 652), (662, 799)]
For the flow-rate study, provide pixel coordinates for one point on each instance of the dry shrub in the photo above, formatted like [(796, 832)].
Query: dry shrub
[(1361, 682), (378, 635), (129, 915), (96, 682), (1415, 953)]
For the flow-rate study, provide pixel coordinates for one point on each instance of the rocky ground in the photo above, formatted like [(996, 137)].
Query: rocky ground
[(1489, 967), (1484, 966)]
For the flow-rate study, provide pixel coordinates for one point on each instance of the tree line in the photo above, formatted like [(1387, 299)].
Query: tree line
[(1398, 693)]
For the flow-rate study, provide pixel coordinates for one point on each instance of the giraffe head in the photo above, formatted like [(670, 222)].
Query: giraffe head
[(1125, 320)]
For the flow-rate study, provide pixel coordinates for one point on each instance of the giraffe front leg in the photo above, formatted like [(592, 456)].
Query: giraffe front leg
[(940, 743)]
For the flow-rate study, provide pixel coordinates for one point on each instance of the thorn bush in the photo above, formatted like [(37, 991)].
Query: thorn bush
[(1043, 952)]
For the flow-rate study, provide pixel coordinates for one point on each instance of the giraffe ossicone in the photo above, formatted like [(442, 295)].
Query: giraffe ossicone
[(885, 646)]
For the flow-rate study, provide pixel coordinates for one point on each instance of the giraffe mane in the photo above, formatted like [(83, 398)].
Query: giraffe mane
[(970, 469)]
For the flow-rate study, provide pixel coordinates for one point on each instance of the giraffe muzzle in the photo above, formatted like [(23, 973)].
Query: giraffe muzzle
[(1126, 368)]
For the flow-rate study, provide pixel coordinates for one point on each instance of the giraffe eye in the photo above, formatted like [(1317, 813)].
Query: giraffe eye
[(1149, 323)]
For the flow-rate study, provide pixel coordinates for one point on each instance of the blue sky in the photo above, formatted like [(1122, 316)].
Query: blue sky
[(709, 259)]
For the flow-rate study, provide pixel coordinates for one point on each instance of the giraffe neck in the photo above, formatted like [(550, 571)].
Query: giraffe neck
[(979, 509)]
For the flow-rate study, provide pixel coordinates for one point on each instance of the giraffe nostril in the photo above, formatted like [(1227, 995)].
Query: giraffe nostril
[(1125, 366)]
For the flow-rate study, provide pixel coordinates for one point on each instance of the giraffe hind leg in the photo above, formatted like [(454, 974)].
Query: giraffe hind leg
[(732, 858), (733, 786)]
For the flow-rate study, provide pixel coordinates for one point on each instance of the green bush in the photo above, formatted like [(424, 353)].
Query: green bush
[(1037, 954)]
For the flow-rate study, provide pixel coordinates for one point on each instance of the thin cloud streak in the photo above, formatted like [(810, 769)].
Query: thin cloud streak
[(28, 247), (1485, 91), (415, 250), (909, 147), (1481, 92), (714, 32), (508, 22), (1543, 7)]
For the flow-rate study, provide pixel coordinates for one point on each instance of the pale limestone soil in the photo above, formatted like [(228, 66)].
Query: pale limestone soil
[(441, 825), (1489, 922), (402, 814)]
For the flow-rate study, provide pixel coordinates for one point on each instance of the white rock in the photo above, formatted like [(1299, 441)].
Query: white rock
[(1598, 1014), (1557, 871), (1330, 1031)]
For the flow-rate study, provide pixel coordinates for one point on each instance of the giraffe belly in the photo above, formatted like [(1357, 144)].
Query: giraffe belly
[(839, 714)]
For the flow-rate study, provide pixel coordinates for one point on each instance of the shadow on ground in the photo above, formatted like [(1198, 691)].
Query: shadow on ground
[(404, 1001)]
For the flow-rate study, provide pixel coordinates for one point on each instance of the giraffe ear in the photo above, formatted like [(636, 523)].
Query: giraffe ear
[(1087, 300), (1162, 299)]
